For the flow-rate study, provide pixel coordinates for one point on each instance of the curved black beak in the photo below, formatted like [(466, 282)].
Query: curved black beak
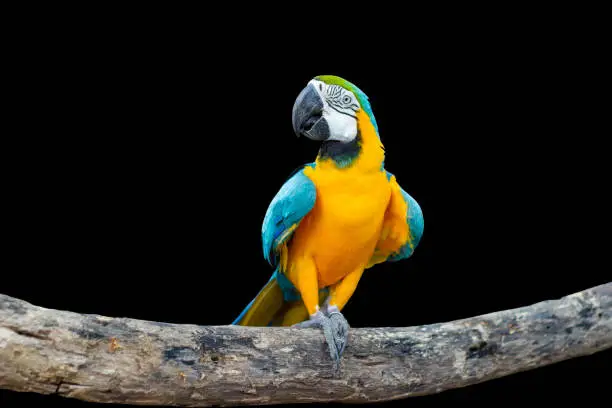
[(308, 117)]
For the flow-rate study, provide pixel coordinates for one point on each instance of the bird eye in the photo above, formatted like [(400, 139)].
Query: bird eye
[(346, 99), (320, 87)]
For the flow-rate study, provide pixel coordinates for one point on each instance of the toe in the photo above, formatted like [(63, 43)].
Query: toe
[(340, 329), (316, 320)]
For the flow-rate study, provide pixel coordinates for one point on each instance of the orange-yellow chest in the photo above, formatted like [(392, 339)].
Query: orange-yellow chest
[(341, 231)]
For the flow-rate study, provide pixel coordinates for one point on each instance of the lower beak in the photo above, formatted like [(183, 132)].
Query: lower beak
[(307, 117)]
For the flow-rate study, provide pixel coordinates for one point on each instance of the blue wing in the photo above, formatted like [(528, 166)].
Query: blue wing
[(293, 201), (414, 218)]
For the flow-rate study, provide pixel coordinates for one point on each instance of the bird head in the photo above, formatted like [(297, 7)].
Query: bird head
[(326, 110)]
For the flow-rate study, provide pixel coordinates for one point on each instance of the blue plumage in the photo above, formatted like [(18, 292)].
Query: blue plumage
[(415, 221), (294, 200), (292, 203)]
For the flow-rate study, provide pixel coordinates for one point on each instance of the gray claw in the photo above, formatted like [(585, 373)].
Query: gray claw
[(340, 328), (335, 330)]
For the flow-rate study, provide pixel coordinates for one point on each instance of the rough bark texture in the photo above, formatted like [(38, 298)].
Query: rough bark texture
[(118, 360)]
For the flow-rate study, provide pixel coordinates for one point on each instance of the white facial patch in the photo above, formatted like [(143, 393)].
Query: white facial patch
[(339, 110)]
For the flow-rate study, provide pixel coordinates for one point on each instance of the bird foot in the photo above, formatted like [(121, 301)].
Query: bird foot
[(335, 330), (340, 328)]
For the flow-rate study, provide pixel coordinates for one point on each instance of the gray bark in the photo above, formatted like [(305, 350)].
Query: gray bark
[(120, 360)]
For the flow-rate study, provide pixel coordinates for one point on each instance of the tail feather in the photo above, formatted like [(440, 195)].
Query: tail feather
[(271, 308), (262, 309)]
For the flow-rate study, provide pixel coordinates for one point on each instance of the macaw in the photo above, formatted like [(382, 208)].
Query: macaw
[(333, 218)]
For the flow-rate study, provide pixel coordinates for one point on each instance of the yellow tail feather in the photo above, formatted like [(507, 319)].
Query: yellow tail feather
[(270, 309), (265, 306)]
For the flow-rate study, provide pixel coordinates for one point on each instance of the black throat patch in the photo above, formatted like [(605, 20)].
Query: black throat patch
[(343, 154)]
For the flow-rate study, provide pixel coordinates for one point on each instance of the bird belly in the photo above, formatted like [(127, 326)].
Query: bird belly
[(342, 230), (337, 255)]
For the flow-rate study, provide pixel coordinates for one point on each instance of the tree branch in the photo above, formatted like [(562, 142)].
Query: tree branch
[(119, 360)]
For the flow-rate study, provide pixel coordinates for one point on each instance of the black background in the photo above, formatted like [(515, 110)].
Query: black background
[(137, 172)]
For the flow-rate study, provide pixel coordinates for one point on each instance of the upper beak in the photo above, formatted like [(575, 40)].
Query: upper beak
[(307, 117)]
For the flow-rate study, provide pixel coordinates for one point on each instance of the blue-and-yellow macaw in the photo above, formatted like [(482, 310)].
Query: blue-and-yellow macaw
[(333, 218)]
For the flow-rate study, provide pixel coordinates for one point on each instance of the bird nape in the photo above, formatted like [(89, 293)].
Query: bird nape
[(332, 219)]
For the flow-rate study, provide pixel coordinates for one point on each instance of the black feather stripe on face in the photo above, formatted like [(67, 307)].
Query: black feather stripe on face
[(335, 97)]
